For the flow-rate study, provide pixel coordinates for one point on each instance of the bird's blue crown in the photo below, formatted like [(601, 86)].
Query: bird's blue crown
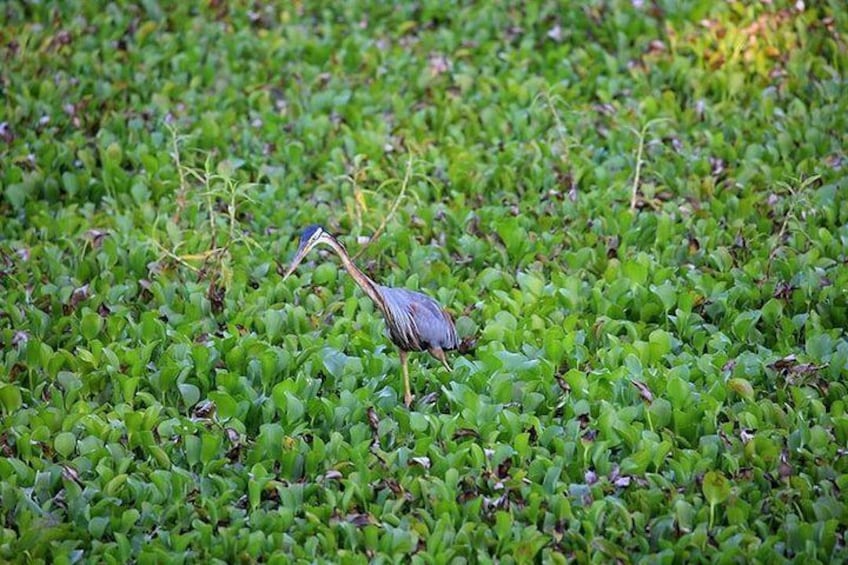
[(309, 231)]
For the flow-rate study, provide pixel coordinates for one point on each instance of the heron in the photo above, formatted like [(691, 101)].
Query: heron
[(415, 322)]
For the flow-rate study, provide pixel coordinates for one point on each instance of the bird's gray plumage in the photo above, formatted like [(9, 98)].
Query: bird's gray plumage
[(418, 322)]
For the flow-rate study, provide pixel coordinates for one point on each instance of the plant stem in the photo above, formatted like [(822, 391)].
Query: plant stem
[(407, 175), (634, 191)]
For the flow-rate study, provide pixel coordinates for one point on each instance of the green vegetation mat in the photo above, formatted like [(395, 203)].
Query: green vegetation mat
[(639, 209)]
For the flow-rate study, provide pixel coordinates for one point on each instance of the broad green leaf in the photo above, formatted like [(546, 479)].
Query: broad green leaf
[(418, 422), (114, 486), (294, 408), (742, 387), (667, 294), (209, 447), (325, 274), (744, 322), (820, 347), (91, 325), (678, 391), (662, 340), (97, 526), (334, 361), (274, 320), (190, 394), (10, 397), (530, 283), (65, 443), (716, 487), (226, 406)]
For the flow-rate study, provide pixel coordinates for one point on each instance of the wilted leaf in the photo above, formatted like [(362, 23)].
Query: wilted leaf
[(644, 391), (332, 475), (438, 64), (95, 237), (742, 387), (20, 338), (555, 33), (463, 433), (71, 474), (78, 295), (373, 420), (216, 294), (205, 409), (423, 462), (360, 520)]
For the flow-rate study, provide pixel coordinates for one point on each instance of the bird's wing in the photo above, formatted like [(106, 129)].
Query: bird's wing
[(421, 321)]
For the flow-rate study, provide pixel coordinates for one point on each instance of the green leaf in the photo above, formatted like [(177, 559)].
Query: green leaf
[(129, 518), (70, 183), (294, 408), (502, 453), (742, 387), (274, 320), (722, 259), (160, 455), (684, 515), (209, 447), (115, 485), (772, 312), (334, 361), (254, 490), (113, 154), (530, 283), (662, 339), (140, 193), (192, 449), (91, 325), (97, 526), (503, 524), (17, 195), (744, 322), (551, 479), (325, 274), (279, 392), (667, 293), (418, 422), (226, 406), (190, 394), (65, 443), (10, 397), (820, 347), (633, 365), (637, 463), (678, 391), (716, 487)]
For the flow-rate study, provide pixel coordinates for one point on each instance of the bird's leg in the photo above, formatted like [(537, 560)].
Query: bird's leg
[(407, 394), (439, 354)]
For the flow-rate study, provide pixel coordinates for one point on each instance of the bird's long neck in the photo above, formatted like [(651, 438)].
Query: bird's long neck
[(366, 284)]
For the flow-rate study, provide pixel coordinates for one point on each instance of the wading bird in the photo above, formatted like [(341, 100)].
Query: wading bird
[(415, 322)]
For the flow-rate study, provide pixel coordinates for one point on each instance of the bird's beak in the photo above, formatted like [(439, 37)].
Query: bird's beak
[(302, 250)]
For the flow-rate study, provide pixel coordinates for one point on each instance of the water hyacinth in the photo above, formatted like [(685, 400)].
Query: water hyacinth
[(636, 210)]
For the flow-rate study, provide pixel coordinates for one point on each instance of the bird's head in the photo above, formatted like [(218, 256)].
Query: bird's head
[(311, 236)]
